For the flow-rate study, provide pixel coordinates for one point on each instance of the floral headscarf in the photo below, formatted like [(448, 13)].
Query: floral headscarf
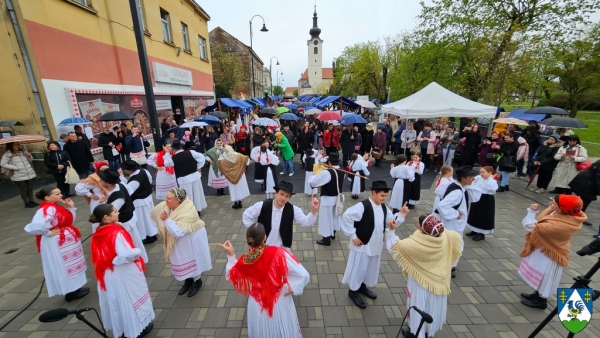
[(432, 226), (179, 193)]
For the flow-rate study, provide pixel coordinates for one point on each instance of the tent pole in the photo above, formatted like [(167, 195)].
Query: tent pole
[(219, 104)]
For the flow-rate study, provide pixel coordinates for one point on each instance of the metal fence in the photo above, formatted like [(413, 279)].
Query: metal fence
[(593, 149)]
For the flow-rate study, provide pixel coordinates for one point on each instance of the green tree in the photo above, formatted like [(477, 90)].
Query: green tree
[(221, 91), (227, 68), (278, 90), (295, 93)]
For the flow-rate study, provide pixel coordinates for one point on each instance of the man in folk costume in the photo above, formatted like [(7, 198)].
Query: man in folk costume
[(283, 145), (185, 239), (331, 182), (269, 275), (267, 162), (216, 180), (120, 198), (359, 167), (547, 246), (91, 189), (309, 160), (452, 209), (187, 171), (141, 196), (426, 258), (365, 224), (233, 167), (403, 175), (278, 216)]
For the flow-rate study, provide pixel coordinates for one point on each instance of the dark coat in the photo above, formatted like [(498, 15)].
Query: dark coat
[(209, 139), (379, 140), (103, 141), (136, 144), (546, 156), (121, 135), (305, 140), (468, 153), (509, 149), (533, 141), (257, 139), (347, 143), (587, 182), (53, 158), (367, 141), (80, 154)]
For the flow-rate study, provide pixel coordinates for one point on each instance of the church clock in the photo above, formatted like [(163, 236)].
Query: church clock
[(316, 42)]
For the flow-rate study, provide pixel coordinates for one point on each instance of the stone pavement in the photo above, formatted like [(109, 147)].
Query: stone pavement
[(484, 301)]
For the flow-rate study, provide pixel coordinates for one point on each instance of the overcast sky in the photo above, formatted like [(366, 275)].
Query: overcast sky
[(342, 23)]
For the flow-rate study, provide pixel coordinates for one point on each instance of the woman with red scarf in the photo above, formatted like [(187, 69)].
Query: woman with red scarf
[(165, 171), (125, 302), (269, 275), (242, 141), (331, 139), (58, 242)]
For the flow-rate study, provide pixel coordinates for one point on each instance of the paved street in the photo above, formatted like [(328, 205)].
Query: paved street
[(484, 301)]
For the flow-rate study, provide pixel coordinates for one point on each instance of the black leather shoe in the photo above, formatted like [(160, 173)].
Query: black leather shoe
[(357, 299), (146, 330), (146, 240), (470, 234), (453, 273), (199, 214), (370, 294), (411, 206), (537, 302), (479, 237), (195, 288), (34, 203), (79, 293), (533, 295), (29, 205), (354, 197), (186, 286), (507, 188), (154, 238), (334, 232), (325, 241), (220, 192), (235, 205), (407, 334), (239, 204), (500, 189)]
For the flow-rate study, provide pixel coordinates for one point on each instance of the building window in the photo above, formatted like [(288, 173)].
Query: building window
[(166, 26), (184, 35), (316, 50), (202, 43), (87, 3)]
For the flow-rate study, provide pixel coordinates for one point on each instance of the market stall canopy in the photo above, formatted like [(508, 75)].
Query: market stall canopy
[(22, 139), (522, 115), (437, 101)]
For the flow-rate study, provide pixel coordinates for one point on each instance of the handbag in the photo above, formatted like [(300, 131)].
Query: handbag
[(71, 176), (115, 152), (339, 202), (507, 161), (140, 157), (580, 166), (7, 172)]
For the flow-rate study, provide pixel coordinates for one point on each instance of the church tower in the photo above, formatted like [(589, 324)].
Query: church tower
[(315, 56)]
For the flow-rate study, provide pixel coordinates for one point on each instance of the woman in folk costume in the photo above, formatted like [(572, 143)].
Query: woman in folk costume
[(359, 167), (141, 196), (269, 275), (58, 242), (125, 302), (185, 239), (403, 175), (442, 183), (547, 246), (415, 185), (309, 159), (91, 189), (268, 161), (216, 180), (233, 167), (482, 213), (165, 171), (426, 259)]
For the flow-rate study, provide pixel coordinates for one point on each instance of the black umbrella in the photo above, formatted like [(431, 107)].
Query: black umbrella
[(179, 132), (116, 116), (268, 111), (547, 110), (219, 114), (564, 122)]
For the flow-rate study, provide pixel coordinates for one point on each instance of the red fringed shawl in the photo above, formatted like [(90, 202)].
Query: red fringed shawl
[(160, 160), (261, 274), (63, 220), (104, 251)]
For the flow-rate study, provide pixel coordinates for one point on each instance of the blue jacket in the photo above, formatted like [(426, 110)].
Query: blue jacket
[(398, 133), (135, 143)]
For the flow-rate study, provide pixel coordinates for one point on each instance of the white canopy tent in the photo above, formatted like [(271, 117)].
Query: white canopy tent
[(437, 101)]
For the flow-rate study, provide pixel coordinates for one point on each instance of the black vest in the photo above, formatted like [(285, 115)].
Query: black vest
[(366, 226), (145, 189), (309, 163), (330, 188), (184, 163), (452, 187), (126, 211), (286, 229)]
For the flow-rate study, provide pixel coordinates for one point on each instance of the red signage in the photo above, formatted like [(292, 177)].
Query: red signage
[(136, 102)]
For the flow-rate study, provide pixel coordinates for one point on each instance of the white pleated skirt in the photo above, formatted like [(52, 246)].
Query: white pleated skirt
[(144, 223), (269, 182), (307, 188), (328, 221), (164, 183), (551, 274), (131, 227), (239, 191), (195, 192), (284, 322), (428, 302), (361, 268), (55, 271)]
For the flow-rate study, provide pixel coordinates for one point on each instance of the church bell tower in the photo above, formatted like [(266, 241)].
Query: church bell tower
[(315, 55)]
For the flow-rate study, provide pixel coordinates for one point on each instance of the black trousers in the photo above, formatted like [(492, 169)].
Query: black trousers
[(61, 185), (329, 150), (544, 178), (26, 190)]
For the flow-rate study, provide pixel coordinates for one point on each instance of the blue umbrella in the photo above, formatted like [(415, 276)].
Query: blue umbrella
[(292, 106), (352, 118), (73, 121), (289, 116), (208, 119)]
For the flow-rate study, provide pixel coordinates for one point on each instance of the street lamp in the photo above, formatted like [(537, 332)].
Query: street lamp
[(279, 70), (263, 29), (270, 71)]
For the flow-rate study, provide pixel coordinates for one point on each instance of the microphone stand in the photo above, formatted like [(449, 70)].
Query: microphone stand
[(79, 315), (420, 324)]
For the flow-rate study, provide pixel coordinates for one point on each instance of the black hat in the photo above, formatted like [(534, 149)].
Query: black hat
[(109, 176), (285, 186), (334, 158), (380, 185), (130, 165), (466, 172), (176, 145), (309, 152)]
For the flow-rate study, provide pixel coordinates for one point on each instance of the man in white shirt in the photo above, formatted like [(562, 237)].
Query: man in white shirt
[(277, 215), (331, 182), (187, 165)]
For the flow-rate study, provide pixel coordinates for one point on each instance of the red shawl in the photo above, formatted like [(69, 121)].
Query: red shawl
[(160, 160), (63, 221), (261, 274), (104, 251)]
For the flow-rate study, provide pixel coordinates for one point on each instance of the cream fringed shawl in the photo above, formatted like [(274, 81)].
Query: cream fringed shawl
[(428, 260), (186, 218)]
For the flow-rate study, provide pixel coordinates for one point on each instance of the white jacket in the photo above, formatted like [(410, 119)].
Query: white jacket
[(21, 165), (565, 170)]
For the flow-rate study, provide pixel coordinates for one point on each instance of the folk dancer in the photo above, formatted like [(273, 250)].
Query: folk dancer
[(446, 173), (453, 207), (141, 196), (187, 171), (91, 189), (309, 158), (269, 275), (58, 242), (120, 198), (360, 167), (403, 175), (481, 220), (415, 185), (216, 180), (165, 172), (426, 258), (233, 167), (185, 240), (266, 161), (365, 224), (125, 303), (277, 215), (331, 182), (547, 246)]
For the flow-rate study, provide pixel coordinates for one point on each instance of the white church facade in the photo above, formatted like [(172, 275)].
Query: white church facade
[(315, 79)]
